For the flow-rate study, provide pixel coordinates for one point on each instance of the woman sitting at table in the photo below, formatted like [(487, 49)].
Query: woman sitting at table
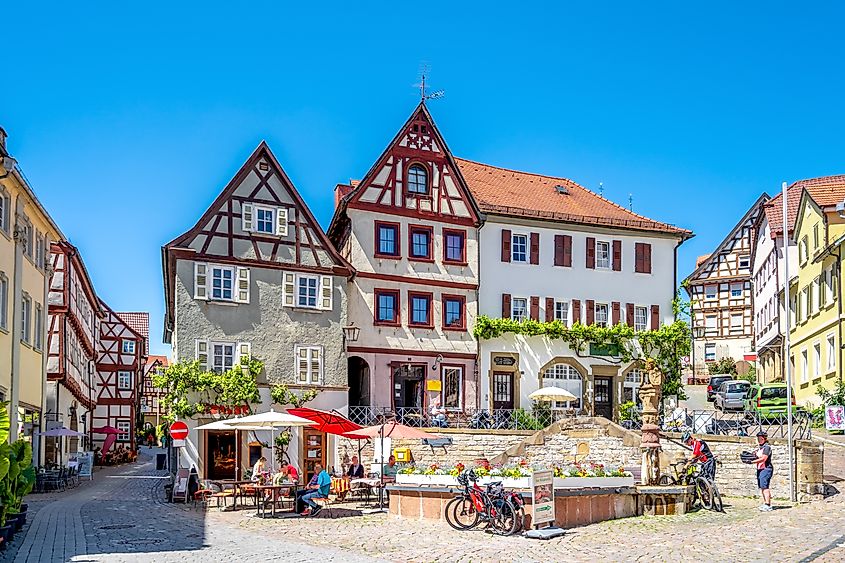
[(258, 469)]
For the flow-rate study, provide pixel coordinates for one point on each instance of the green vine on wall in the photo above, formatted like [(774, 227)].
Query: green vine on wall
[(190, 388), (666, 345)]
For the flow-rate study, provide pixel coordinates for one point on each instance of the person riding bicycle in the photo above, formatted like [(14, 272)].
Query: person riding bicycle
[(701, 454)]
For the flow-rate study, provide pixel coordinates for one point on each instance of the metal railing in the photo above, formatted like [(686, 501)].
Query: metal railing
[(480, 419), (718, 423)]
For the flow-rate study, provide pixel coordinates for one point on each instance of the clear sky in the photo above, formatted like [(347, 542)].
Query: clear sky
[(129, 118)]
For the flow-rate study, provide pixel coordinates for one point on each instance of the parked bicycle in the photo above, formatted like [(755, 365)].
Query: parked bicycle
[(706, 493), (500, 509)]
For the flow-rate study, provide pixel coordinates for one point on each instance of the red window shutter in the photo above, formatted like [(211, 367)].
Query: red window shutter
[(647, 268), (615, 312), (639, 257), (535, 248), (576, 311), (535, 308), (629, 313), (617, 255), (506, 245), (591, 311), (506, 305), (550, 309), (558, 250), (591, 253), (655, 317), (567, 251)]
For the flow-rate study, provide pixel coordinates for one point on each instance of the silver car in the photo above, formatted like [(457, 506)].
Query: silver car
[(731, 395)]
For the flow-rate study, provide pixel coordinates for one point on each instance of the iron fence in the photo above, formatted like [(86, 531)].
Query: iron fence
[(719, 423), (480, 419)]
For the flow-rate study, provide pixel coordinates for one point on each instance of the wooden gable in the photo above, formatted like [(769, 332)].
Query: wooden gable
[(417, 145), (260, 219)]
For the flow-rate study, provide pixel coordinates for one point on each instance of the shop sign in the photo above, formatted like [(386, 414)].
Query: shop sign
[(604, 349), (504, 360), (834, 417), (433, 385), (543, 496)]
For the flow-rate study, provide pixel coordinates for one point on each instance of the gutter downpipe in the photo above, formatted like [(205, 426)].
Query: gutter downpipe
[(787, 370)]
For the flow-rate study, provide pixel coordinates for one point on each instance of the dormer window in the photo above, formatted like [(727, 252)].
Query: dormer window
[(417, 180)]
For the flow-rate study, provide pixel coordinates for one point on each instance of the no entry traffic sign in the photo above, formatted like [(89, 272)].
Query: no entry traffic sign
[(178, 430)]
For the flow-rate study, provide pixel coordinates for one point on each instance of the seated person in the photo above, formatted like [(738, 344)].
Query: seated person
[(293, 472), (356, 470), (318, 487), (258, 469), (438, 415), (390, 470)]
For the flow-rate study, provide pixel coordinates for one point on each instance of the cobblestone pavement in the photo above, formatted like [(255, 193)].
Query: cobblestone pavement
[(121, 516)]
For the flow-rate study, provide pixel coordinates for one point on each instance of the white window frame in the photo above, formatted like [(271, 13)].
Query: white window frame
[(39, 250), (125, 426), (212, 356), (603, 254), (736, 290), (746, 259), (633, 380), (305, 278), (561, 312), (817, 359), (127, 346), (640, 321), (4, 301), (709, 352), (233, 289), (805, 368), (520, 256), (124, 380), (37, 336), (605, 312), (460, 372), (304, 357), (715, 294), (26, 318), (831, 352), (515, 310), (5, 211), (737, 329), (270, 222), (564, 375)]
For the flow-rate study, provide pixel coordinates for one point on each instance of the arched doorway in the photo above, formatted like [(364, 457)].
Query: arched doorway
[(358, 379)]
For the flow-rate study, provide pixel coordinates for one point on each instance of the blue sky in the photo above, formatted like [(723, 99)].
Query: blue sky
[(129, 120)]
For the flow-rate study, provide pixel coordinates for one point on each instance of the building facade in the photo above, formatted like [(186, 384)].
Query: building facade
[(120, 369), (257, 277), (409, 229), (152, 409), (721, 298), (75, 315), (26, 232), (551, 250), (815, 292)]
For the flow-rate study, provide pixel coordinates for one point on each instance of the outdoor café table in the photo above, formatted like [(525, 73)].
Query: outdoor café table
[(367, 484), (340, 486), (275, 495), (233, 484)]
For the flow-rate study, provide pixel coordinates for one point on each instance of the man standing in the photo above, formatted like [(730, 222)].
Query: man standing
[(318, 487), (764, 469)]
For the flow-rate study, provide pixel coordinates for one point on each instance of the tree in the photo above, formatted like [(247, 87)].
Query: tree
[(725, 365)]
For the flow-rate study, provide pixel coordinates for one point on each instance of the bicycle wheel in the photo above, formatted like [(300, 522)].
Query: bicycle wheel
[(717, 499), (505, 521), (704, 492), (460, 513)]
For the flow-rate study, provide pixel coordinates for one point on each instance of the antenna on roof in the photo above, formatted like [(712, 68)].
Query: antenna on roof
[(601, 189), (630, 202), (425, 70)]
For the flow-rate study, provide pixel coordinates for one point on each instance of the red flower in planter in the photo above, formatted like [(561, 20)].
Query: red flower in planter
[(213, 409)]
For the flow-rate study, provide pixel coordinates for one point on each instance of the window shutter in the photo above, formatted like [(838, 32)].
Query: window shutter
[(550, 309), (326, 293), (506, 305), (535, 248), (506, 245), (617, 255), (535, 308), (639, 257), (647, 248), (558, 250), (655, 317), (567, 251), (591, 311), (243, 285), (288, 288), (576, 311), (615, 312), (244, 351), (629, 314), (200, 280), (282, 221), (201, 347), (591, 253), (246, 217)]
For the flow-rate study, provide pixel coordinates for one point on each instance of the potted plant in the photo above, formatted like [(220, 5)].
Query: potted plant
[(21, 479)]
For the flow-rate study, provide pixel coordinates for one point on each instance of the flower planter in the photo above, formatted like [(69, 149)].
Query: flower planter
[(20, 519), (430, 480), (7, 532), (507, 482), (587, 482)]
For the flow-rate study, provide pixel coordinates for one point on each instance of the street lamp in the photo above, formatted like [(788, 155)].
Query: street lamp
[(351, 333)]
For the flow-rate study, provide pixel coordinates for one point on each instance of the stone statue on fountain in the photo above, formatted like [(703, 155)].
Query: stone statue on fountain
[(651, 390)]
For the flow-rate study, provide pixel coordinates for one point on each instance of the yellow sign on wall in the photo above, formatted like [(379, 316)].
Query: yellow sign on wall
[(433, 385)]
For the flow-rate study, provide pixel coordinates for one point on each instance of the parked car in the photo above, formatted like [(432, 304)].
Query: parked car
[(767, 400), (731, 395), (714, 384)]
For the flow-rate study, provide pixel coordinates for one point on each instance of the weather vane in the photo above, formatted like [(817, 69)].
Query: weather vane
[(424, 72)]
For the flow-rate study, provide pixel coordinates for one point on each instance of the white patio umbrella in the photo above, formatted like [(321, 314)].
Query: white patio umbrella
[(271, 420), (226, 424), (551, 394)]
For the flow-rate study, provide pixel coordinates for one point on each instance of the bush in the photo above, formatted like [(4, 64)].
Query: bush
[(628, 411), (725, 365)]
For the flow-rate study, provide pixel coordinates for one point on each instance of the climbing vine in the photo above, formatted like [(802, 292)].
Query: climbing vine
[(190, 389), (666, 345)]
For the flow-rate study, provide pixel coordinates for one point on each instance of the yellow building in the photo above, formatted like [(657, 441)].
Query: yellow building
[(26, 231), (815, 293)]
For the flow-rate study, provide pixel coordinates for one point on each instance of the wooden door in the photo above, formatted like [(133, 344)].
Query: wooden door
[(313, 451), (503, 388), (604, 397)]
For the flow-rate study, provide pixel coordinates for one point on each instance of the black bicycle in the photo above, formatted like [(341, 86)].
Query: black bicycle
[(706, 493)]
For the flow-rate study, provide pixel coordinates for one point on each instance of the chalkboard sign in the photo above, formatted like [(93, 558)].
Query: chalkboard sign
[(85, 462), (180, 486)]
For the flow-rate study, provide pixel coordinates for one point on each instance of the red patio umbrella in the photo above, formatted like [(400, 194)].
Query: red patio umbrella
[(111, 436), (331, 422)]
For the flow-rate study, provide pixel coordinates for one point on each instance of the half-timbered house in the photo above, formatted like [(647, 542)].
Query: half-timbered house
[(73, 329), (257, 277), (152, 409), (120, 368), (409, 228), (721, 297)]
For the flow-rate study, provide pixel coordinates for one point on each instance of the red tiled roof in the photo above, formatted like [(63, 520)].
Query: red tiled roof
[(140, 323), (523, 194), (827, 190), (700, 260)]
